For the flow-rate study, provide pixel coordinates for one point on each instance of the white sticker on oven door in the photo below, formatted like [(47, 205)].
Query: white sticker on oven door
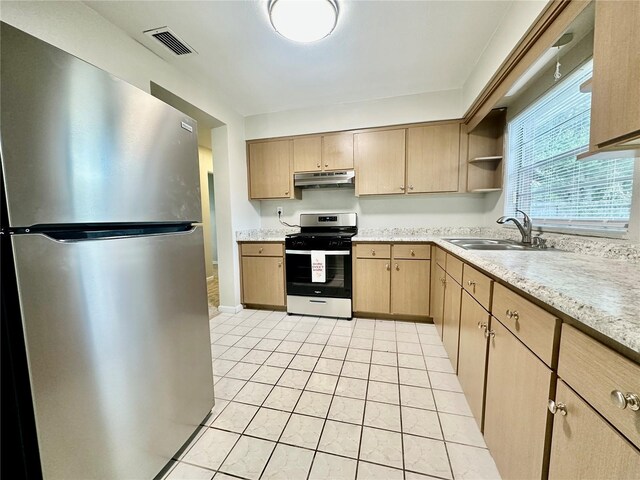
[(318, 266)]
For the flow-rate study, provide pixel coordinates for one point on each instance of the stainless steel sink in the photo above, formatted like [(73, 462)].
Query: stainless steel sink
[(491, 244)]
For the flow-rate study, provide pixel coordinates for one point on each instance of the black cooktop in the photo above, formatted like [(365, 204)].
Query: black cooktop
[(322, 235)]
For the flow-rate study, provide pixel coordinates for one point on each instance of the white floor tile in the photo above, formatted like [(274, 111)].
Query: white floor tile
[(380, 446), (452, 402), (351, 387), (314, 404), (288, 463), (267, 424), (282, 398), (382, 415), (302, 431), (427, 456), (369, 471), (424, 423), (383, 392), (248, 458), (416, 397), (472, 463), (184, 471), (211, 448), (345, 409), (340, 438), (253, 393), (322, 383), (235, 417), (459, 429), (330, 467)]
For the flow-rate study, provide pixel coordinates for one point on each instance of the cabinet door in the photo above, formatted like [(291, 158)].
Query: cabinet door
[(433, 158), (307, 153), (515, 415), (583, 444), (438, 278), (380, 162), (410, 287), (263, 281), (472, 353), (337, 151), (615, 99), (372, 285), (451, 319), (270, 173)]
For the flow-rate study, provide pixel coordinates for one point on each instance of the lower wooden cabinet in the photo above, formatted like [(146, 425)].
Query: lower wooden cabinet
[(451, 319), (516, 418), (472, 353), (396, 284), (372, 285), (584, 445), (263, 274), (438, 278)]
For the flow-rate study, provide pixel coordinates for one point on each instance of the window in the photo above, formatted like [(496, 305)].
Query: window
[(544, 178)]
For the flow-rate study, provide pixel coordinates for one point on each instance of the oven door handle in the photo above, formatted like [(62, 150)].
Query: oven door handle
[(326, 252)]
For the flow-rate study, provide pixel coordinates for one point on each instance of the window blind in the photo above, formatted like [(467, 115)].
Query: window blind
[(544, 178)]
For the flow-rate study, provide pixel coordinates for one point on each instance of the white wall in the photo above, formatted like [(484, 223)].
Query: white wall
[(382, 211), (514, 25), (76, 28), (423, 107)]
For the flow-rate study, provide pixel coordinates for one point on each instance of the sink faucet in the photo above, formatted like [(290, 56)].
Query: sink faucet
[(524, 227)]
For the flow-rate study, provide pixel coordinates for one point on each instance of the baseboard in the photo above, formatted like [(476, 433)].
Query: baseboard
[(232, 310)]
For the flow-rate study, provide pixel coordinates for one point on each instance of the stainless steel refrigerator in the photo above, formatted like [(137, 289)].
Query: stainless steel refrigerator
[(105, 333)]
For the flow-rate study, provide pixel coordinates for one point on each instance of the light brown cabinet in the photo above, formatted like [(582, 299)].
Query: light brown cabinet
[(438, 277), (451, 319), (433, 158), (472, 356), (516, 417), (379, 159), (322, 153), (615, 98), (584, 445), (337, 151), (389, 280), (372, 285), (262, 272), (271, 170)]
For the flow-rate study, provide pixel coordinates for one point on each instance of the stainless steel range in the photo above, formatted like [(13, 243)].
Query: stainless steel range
[(319, 265)]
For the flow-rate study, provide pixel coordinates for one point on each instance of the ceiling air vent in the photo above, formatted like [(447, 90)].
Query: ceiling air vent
[(170, 40)]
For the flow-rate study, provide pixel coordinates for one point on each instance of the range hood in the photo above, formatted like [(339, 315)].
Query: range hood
[(341, 179)]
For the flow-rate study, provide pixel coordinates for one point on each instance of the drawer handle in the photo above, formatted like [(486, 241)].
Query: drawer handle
[(489, 333), (624, 400), (513, 314), (557, 407), (388, 267)]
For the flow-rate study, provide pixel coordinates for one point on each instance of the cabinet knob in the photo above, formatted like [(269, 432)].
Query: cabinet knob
[(489, 333), (326, 165), (410, 187), (397, 267), (513, 314), (623, 400), (471, 282), (388, 267), (482, 325), (402, 187), (373, 252), (413, 254), (287, 192), (279, 264), (260, 250), (557, 407), (318, 165)]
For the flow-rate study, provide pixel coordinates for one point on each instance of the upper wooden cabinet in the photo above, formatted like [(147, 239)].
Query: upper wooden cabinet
[(323, 153), (615, 99), (433, 158), (271, 169), (337, 151), (307, 154), (380, 162)]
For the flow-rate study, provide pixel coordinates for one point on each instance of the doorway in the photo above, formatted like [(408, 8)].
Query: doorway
[(213, 289)]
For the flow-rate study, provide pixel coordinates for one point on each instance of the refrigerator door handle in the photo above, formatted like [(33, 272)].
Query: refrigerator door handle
[(75, 236)]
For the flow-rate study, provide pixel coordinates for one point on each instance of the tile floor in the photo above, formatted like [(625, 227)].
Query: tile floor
[(315, 398)]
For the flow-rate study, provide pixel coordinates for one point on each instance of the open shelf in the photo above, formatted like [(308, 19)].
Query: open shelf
[(485, 153), (494, 158), (485, 190)]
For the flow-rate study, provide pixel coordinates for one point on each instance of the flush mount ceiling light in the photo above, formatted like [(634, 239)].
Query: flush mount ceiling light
[(303, 20)]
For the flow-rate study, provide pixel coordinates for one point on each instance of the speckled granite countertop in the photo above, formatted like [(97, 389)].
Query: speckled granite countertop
[(594, 281)]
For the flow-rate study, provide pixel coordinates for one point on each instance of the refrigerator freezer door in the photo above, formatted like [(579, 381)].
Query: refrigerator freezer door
[(117, 339), (81, 146)]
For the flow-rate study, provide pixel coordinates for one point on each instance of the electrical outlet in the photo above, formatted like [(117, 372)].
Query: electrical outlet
[(279, 210)]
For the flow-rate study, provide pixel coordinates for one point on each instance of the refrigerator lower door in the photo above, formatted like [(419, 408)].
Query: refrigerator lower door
[(117, 339)]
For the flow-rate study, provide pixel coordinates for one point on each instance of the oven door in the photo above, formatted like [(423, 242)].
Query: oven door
[(337, 282)]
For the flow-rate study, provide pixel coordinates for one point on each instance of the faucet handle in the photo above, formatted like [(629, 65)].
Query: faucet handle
[(539, 242), (527, 220)]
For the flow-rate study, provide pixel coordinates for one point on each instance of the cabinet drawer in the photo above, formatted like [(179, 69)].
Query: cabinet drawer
[(262, 249), (478, 285), (535, 327), (411, 251), (454, 268), (595, 371), (441, 257), (373, 250)]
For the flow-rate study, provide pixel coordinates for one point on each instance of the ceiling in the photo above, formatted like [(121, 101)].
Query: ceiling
[(379, 49)]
